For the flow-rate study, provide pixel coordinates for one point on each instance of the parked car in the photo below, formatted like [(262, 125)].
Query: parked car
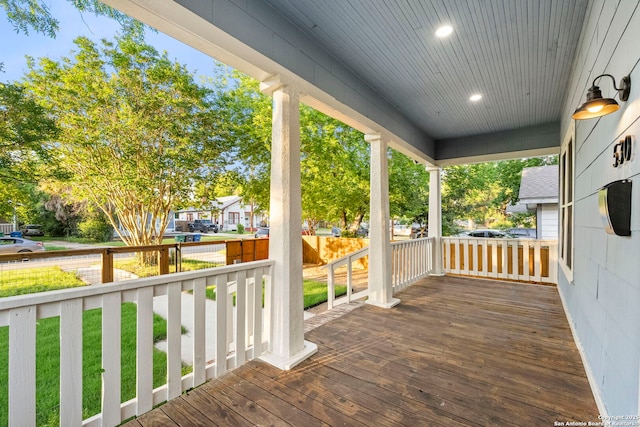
[(418, 231), (262, 233), (16, 245), (32, 230), (523, 233), (490, 234), (336, 232), (203, 226), (362, 232), (401, 230)]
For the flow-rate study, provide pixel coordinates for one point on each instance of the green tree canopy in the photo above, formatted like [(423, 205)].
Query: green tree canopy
[(482, 191), (136, 132), (35, 15)]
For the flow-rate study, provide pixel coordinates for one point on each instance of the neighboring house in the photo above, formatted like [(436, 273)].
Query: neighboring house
[(6, 227), (539, 193), (227, 212)]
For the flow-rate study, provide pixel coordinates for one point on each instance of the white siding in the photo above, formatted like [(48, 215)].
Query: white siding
[(603, 299), (548, 223)]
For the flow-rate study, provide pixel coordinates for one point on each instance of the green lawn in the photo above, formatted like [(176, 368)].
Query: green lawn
[(48, 363), (18, 282)]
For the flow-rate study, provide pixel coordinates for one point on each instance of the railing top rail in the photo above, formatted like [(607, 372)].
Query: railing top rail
[(492, 239), (360, 253), (411, 241), (88, 291), (108, 249)]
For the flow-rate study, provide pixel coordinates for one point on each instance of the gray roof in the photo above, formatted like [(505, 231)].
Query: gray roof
[(539, 184)]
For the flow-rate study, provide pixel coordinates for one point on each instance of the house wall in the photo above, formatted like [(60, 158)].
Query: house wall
[(602, 298), (547, 221), (244, 217)]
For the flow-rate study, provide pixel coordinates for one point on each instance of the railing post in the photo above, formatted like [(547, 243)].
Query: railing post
[(435, 219), (349, 279), (331, 293), (164, 260), (107, 266)]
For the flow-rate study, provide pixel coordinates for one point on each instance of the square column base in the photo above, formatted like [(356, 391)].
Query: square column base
[(392, 303), (287, 363)]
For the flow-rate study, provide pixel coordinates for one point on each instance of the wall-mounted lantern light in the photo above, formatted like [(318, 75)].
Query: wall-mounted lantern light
[(596, 105)]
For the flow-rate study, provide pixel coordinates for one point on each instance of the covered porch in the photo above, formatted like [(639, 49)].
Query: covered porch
[(457, 351)]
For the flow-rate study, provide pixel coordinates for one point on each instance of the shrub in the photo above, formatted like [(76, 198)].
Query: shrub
[(96, 229), (240, 229)]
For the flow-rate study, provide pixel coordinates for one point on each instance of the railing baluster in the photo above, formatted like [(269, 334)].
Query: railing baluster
[(174, 338), (199, 331), (221, 324), (111, 351), (71, 362), (22, 366), (257, 312), (537, 271), (505, 258), (144, 351), (330, 288), (240, 318), (515, 257)]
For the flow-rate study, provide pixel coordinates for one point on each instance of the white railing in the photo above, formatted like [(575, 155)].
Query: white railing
[(411, 261), (347, 261), (525, 260), (239, 332)]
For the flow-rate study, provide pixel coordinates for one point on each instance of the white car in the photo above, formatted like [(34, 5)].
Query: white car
[(16, 245)]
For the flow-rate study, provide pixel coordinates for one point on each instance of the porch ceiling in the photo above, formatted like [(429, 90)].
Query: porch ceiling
[(378, 66), (516, 54)]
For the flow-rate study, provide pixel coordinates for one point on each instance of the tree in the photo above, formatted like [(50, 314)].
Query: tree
[(408, 188), (481, 192), (24, 128), (35, 15), (136, 132)]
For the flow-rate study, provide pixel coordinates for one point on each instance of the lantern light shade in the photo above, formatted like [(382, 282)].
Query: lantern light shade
[(596, 105)]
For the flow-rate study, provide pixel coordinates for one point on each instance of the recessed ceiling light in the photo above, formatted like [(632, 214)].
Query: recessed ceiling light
[(475, 97), (444, 31)]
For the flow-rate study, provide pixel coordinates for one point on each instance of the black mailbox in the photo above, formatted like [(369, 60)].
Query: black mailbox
[(615, 207)]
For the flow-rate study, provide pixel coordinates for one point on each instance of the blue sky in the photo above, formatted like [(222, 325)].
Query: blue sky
[(73, 24)]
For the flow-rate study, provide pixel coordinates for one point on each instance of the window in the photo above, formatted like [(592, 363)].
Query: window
[(565, 243), (234, 217)]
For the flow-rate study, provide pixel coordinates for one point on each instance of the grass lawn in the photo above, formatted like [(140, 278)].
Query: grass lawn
[(134, 266), (48, 363), (12, 282)]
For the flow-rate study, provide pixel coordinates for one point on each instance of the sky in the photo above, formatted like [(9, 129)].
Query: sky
[(14, 46)]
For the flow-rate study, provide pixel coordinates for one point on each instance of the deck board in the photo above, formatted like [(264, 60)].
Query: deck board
[(455, 352)]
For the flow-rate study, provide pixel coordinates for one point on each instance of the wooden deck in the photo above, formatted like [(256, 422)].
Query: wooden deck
[(455, 352)]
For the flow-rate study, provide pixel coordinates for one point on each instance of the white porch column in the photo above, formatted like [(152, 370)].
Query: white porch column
[(435, 218), (287, 345), (380, 284)]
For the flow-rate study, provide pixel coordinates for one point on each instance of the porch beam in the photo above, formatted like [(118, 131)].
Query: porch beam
[(435, 219), (287, 346), (380, 283)]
